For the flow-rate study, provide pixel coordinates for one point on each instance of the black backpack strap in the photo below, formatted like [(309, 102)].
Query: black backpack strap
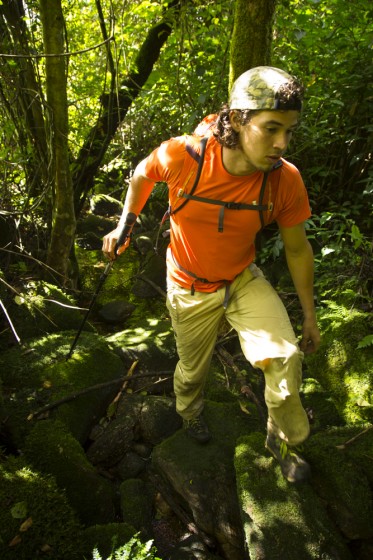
[(262, 191), (230, 206), (199, 158), (261, 196)]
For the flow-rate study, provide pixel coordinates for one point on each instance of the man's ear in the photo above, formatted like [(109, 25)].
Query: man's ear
[(234, 119)]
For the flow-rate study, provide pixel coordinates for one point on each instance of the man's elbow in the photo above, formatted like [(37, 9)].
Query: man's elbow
[(300, 250)]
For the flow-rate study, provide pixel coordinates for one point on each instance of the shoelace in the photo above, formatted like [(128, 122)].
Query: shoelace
[(195, 424), (284, 450)]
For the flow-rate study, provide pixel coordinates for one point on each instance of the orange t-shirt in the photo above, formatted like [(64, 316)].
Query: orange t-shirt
[(196, 244)]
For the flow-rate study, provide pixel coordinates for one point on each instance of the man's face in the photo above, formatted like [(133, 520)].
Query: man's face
[(264, 139)]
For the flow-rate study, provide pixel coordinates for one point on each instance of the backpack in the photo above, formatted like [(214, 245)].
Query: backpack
[(192, 156)]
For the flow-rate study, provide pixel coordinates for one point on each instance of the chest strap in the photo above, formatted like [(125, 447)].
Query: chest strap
[(230, 205)]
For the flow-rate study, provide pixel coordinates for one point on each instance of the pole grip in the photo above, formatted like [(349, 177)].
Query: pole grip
[(126, 231)]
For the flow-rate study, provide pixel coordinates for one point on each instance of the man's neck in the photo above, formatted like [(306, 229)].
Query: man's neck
[(235, 162)]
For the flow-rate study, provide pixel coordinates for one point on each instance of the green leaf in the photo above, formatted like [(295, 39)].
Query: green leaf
[(326, 250), (19, 510), (366, 341)]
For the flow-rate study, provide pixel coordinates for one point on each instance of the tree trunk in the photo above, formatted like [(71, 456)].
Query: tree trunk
[(21, 94), (63, 219), (252, 36), (115, 105)]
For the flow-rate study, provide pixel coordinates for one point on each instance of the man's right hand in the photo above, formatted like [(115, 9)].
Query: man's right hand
[(118, 240), (109, 244)]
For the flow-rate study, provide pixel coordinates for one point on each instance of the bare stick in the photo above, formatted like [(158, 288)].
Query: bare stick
[(344, 445), (10, 322), (86, 390)]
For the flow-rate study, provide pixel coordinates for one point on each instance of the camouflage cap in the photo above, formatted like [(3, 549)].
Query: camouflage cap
[(259, 88)]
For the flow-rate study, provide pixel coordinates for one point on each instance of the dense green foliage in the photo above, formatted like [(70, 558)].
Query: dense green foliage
[(327, 43), (133, 550)]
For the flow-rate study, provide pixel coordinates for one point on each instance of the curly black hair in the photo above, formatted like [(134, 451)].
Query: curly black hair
[(223, 130)]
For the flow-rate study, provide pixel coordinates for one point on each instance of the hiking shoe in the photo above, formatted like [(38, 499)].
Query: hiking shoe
[(197, 429), (293, 466)]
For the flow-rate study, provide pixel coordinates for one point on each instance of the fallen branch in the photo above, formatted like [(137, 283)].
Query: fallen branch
[(344, 445), (113, 406), (86, 390)]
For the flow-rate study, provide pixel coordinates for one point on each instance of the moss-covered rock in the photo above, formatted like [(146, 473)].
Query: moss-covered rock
[(320, 406), (118, 281), (136, 505), (41, 308), (105, 538), (342, 368), (39, 374), (52, 449), (341, 475), (149, 338), (105, 205), (36, 519), (281, 520), (202, 477)]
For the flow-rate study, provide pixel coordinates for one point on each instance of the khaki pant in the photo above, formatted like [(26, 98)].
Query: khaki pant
[(255, 311)]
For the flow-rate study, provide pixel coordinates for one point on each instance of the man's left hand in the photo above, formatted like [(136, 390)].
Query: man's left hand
[(310, 336)]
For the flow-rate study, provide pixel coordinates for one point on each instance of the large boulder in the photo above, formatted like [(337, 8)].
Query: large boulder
[(51, 449), (201, 479), (37, 375), (36, 518), (341, 367), (281, 520)]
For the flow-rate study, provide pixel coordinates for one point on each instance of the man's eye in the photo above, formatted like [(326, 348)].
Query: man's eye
[(269, 129)]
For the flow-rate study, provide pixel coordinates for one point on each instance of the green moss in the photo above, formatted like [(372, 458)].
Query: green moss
[(149, 337), (118, 282), (106, 538), (135, 505), (52, 449), (227, 422), (92, 223), (280, 520), (341, 368), (25, 494), (320, 406), (340, 480), (42, 308), (40, 374)]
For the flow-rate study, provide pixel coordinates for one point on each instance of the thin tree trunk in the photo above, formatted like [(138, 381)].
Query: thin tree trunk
[(63, 220), (252, 36), (21, 94)]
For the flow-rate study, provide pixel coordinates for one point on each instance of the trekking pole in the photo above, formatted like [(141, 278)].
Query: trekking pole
[(125, 233)]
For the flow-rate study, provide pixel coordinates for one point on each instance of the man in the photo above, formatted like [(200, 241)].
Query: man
[(244, 182)]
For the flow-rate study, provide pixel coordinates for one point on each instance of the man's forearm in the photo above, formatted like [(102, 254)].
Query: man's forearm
[(137, 194), (301, 267)]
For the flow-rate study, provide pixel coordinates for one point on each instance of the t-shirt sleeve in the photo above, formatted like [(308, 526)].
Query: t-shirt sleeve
[(292, 198), (166, 161)]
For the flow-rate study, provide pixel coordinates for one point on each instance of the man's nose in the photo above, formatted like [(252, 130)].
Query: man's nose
[(281, 141)]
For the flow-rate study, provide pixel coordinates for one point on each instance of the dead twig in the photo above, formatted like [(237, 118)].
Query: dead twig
[(115, 402), (348, 442), (86, 390)]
